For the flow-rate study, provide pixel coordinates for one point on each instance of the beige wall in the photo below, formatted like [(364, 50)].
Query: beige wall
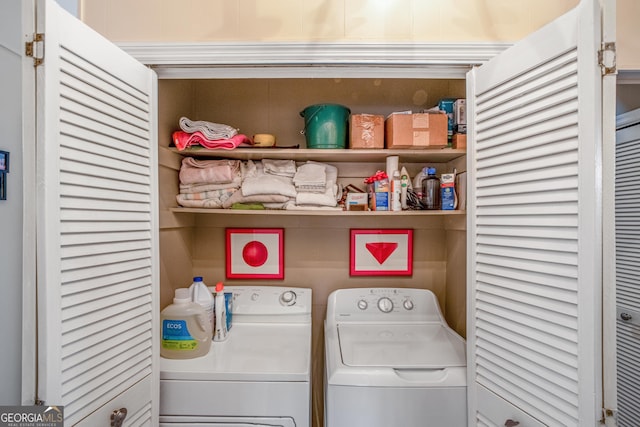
[(319, 20), (343, 20), (628, 34)]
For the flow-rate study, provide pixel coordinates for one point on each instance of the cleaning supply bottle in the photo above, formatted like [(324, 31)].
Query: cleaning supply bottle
[(431, 190), (417, 182), (186, 330), (404, 187), (396, 190), (221, 314), (201, 294)]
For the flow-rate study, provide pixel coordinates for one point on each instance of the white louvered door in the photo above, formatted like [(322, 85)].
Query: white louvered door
[(535, 229), (97, 244), (628, 268)]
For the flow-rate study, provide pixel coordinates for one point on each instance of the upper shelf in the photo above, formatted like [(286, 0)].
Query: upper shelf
[(442, 155)]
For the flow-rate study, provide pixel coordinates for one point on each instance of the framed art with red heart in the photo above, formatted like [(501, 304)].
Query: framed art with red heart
[(255, 253), (381, 252)]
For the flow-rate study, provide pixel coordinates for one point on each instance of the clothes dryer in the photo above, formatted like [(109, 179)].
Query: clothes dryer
[(259, 376), (392, 360)]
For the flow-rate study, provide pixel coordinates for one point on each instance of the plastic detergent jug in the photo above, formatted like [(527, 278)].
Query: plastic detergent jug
[(221, 314), (186, 330), (431, 190), (201, 294)]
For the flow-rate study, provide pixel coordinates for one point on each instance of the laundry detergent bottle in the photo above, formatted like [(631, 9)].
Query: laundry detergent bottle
[(186, 329), (201, 294), (221, 314)]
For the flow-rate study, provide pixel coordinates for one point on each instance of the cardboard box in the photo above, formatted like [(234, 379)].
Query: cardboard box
[(447, 191), (459, 141), (366, 131), (357, 201), (419, 130), (446, 105), (379, 195)]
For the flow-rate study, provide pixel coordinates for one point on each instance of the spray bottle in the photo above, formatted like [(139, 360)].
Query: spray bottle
[(221, 314)]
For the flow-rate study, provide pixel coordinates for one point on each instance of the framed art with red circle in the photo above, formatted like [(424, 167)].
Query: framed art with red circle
[(255, 253)]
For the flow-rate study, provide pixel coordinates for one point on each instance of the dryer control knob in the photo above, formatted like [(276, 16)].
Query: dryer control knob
[(288, 298), (408, 304), (362, 304), (385, 305)]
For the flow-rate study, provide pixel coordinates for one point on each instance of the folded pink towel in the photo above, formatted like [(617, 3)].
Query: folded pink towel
[(184, 140), (195, 171)]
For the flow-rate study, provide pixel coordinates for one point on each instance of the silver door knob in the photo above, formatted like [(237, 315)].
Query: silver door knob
[(625, 316), (118, 416)]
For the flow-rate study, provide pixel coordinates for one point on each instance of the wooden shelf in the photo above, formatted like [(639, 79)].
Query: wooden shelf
[(319, 212), (442, 155)]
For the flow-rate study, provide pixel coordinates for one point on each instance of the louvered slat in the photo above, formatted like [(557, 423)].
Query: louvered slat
[(526, 241), (105, 241), (628, 274)]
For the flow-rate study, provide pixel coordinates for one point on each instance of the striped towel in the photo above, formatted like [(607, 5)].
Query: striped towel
[(210, 130)]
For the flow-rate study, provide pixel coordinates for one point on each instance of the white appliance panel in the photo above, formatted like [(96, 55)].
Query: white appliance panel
[(235, 399), (186, 421), (392, 363), (386, 407), (260, 375), (417, 346), (252, 352)]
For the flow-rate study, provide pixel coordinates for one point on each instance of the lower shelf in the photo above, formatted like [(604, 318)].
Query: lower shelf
[(318, 212)]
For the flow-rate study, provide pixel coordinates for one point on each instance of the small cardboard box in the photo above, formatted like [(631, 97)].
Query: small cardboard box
[(448, 191), (459, 141), (366, 131), (446, 105), (357, 201), (379, 195), (418, 130)]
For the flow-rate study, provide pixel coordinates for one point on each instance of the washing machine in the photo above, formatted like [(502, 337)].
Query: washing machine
[(392, 360), (259, 376)]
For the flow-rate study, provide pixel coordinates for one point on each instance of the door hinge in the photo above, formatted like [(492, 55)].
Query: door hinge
[(608, 417), (35, 49), (607, 58)]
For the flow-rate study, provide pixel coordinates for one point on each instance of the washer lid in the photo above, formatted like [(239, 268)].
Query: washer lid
[(252, 352), (418, 346)]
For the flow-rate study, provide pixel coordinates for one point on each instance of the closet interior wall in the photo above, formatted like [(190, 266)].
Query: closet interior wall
[(316, 248)]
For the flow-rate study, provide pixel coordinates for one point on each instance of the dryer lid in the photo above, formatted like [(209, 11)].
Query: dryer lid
[(417, 346)]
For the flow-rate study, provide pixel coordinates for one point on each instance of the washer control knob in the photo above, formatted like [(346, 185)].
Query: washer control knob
[(408, 304), (385, 305), (255, 296), (362, 304), (288, 298)]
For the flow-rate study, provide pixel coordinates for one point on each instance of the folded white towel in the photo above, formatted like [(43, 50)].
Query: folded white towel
[(211, 131), (258, 182), (330, 170), (279, 167), (328, 198), (310, 174)]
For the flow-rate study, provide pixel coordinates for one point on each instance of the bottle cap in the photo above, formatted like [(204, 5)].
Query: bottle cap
[(431, 171), (219, 287), (197, 279), (182, 296)]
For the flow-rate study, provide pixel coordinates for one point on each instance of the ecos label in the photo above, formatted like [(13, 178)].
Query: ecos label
[(175, 330), (176, 336)]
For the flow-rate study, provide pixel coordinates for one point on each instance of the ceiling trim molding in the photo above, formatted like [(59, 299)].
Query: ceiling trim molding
[(285, 59)]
